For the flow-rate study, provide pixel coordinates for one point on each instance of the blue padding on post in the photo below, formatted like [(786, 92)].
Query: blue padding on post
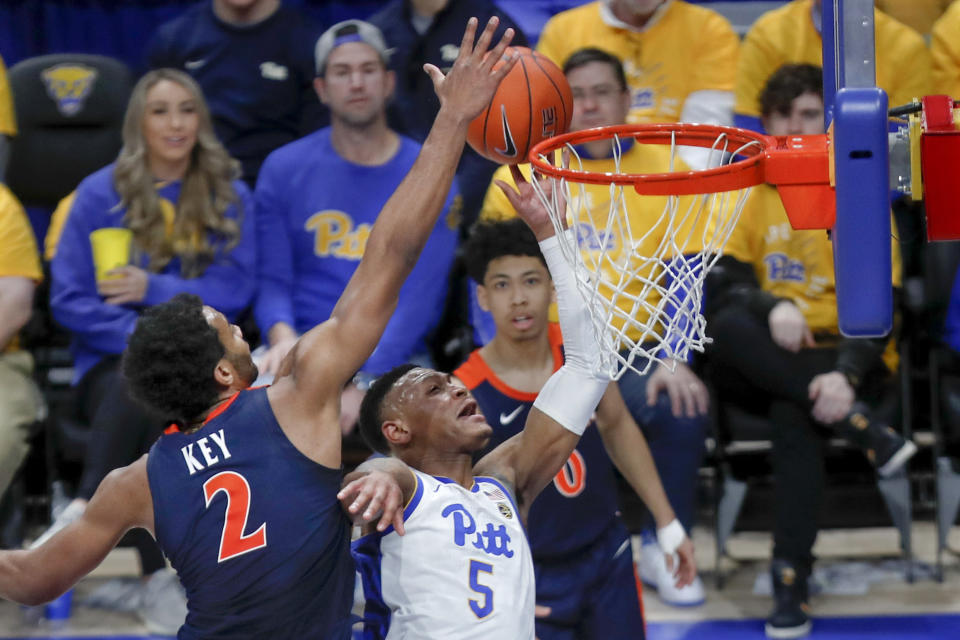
[(861, 235)]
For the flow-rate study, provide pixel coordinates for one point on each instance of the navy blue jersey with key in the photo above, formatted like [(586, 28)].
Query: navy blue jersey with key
[(253, 528), (581, 503)]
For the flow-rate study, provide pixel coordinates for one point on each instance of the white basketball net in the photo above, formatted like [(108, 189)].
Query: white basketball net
[(643, 283)]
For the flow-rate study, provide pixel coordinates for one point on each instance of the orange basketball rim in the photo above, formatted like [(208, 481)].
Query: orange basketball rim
[(800, 167)]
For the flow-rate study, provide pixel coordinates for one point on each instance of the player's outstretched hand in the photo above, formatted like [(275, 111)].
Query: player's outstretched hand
[(525, 200), (374, 496), (473, 79), (682, 565)]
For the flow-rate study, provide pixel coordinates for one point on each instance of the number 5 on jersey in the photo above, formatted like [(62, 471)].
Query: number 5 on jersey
[(481, 610), (232, 541)]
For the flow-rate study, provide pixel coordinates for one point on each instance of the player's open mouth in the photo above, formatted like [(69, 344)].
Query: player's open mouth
[(523, 322), (469, 409)]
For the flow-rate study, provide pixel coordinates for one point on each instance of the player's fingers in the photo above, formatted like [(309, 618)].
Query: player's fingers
[(808, 340), (362, 497), (348, 492), (398, 522), (497, 54), (436, 76), (374, 504), (701, 398), (541, 611), (518, 177), (509, 60), (466, 44), (670, 563), (486, 37), (512, 195), (389, 512)]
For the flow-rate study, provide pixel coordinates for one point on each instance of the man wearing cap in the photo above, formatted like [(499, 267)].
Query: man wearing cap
[(317, 199), (254, 61)]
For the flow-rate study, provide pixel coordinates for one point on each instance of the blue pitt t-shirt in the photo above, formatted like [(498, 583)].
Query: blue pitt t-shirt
[(580, 504), (253, 528), (315, 211)]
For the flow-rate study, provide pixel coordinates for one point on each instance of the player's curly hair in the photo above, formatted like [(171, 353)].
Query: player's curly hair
[(371, 420), (585, 56), (788, 83), (490, 240), (170, 359)]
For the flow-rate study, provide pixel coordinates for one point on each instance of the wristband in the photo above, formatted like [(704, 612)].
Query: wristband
[(671, 536), (569, 397)]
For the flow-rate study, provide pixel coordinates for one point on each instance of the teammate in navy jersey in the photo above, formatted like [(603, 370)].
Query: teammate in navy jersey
[(581, 549), (473, 571), (243, 498)]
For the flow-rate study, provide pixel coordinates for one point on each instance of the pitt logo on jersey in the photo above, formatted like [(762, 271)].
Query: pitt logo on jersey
[(69, 85), (334, 235), (490, 539)]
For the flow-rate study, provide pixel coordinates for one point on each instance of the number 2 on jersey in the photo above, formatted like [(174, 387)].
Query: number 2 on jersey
[(232, 541), (485, 609)]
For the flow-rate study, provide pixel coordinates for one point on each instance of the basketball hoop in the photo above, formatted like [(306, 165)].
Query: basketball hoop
[(641, 260)]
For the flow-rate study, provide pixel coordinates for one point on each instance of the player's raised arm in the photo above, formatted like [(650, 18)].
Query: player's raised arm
[(566, 402), (327, 356)]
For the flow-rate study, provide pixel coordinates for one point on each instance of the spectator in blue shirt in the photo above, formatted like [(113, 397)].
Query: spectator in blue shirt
[(317, 199)]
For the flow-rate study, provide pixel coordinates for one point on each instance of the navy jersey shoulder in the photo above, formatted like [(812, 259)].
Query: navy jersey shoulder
[(576, 508), (253, 528)]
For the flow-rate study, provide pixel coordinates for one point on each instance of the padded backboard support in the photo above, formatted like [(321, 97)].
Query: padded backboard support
[(857, 109)]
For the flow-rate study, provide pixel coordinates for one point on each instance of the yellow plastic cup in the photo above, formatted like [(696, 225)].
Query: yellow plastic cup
[(111, 249)]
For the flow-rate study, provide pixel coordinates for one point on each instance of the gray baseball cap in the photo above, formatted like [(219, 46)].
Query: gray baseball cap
[(349, 31)]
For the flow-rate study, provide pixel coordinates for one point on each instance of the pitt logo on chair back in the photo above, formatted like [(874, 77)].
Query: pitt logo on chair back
[(69, 85)]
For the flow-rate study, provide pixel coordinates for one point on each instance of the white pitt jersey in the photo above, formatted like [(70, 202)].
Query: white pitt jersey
[(462, 570)]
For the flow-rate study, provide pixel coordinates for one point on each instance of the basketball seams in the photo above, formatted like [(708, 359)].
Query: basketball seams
[(509, 102), (526, 143), (486, 119), (563, 103)]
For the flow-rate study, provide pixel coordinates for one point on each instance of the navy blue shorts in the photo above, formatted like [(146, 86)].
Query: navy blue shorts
[(594, 595)]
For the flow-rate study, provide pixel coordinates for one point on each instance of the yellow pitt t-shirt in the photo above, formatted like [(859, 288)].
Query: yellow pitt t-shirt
[(788, 35), (8, 123), (685, 48), (945, 51), (648, 225), (18, 247), (794, 264)]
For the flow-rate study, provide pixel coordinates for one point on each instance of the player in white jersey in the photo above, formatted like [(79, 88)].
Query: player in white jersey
[(459, 566)]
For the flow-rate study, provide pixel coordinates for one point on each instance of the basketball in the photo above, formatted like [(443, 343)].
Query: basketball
[(532, 103)]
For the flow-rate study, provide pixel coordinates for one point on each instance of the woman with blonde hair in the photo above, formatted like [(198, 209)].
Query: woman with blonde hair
[(169, 216)]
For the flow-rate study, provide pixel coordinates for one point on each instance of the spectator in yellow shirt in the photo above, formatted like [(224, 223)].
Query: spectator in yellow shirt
[(680, 59), (8, 123), (945, 51), (20, 272), (791, 33)]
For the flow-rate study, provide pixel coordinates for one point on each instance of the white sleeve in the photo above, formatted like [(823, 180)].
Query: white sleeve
[(573, 391), (706, 107)]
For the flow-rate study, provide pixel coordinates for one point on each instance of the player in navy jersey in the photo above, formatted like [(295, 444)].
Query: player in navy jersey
[(581, 549), (243, 497), (473, 575)]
